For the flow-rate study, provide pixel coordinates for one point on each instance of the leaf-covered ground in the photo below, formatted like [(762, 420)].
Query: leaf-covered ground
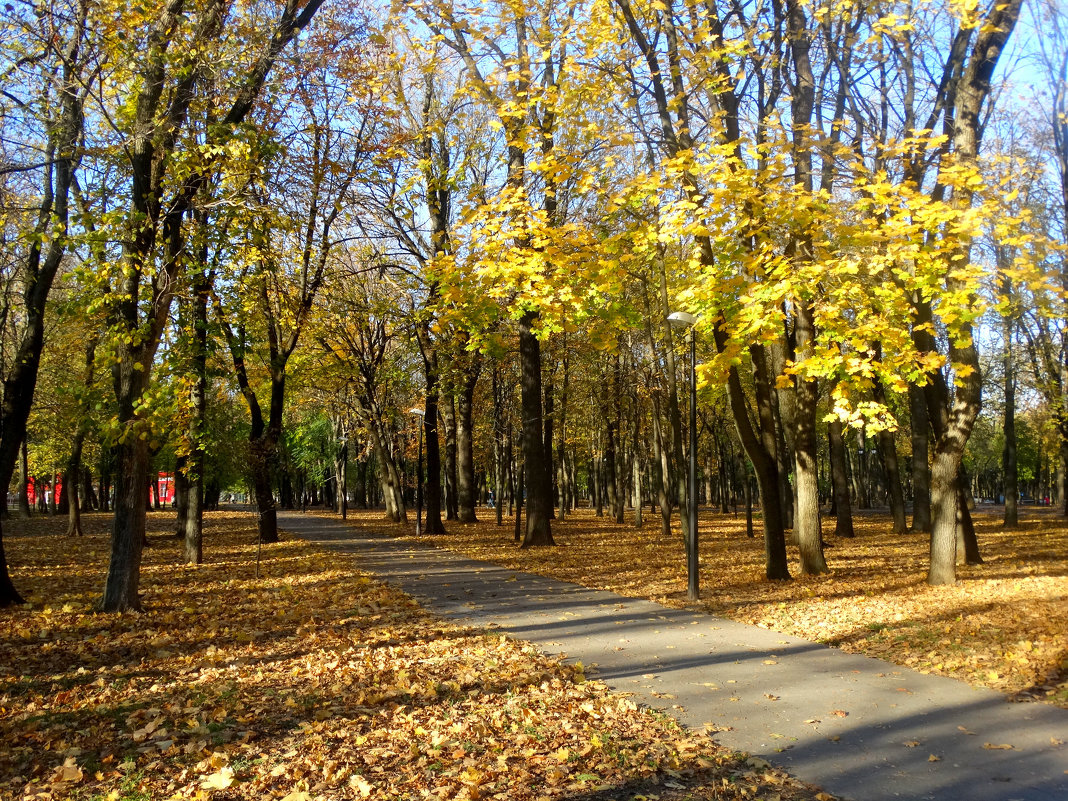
[(289, 674), (1002, 626)]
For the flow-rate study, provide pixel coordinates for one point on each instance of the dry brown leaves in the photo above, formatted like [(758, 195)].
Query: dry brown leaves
[(308, 681), (1002, 625)]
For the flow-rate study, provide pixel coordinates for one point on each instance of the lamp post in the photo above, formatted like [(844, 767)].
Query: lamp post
[(421, 414), (693, 592)]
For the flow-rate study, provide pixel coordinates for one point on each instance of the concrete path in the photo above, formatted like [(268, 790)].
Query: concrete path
[(860, 728)]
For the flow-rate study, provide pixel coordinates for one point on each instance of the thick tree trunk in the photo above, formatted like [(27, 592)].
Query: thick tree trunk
[(9, 596), (193, 520), (539, 500), (122, 586), (807, 521), (261, 464), (763, 455)]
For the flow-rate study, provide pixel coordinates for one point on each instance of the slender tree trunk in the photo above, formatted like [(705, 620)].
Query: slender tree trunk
[(1062, 466), (498, 446), (465, 457), (660, 478), (70, 486), (921, 468), (747, 488), (433, 458), (547, 427), (561, 436), (1008, 457), (24, 481), (448, 409), (840, 480), (539, 500), (611, 489), (888, 451), (518, 493)]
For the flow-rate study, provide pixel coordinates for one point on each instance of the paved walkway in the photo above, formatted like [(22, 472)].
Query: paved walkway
[(860, 728)]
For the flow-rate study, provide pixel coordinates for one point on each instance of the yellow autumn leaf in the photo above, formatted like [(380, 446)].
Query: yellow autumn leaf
[(219, 780)]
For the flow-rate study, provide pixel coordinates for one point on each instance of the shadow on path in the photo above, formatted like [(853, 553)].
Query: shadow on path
[(861, 728)]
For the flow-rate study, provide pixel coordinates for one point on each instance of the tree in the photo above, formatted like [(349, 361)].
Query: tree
[(50, 73), (168, 64), (324, 142)]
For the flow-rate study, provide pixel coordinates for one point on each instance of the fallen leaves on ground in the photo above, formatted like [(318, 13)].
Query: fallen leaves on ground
[(288, 674), (1001, 626)]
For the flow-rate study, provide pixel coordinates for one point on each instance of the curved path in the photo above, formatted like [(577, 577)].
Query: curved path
[(859, 727)]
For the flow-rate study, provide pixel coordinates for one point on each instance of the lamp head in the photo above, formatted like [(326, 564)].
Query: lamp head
[(681, 319)]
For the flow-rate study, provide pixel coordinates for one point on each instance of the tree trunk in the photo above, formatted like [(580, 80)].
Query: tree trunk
[(539, 500), (24, 482), (888, 452), (561, 438), (840, 480), (122, 586), (747, 488), (433, 457), (660, 470), (261, 464), (88, 497), (547, 437), (181, 487), (763, 455), (465, 456), (518, 492), (448, 409), (610, 487), (807, 521), (70, 485), (1008, 456), (921, 468)]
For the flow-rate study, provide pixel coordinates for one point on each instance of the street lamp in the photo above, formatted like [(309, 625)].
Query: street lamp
[(693, 593), (421, 414)]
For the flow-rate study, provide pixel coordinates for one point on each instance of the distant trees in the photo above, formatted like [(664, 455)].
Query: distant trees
[(489, 215)]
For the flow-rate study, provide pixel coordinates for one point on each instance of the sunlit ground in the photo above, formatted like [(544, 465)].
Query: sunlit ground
[(1002, 626), (284, 673)]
